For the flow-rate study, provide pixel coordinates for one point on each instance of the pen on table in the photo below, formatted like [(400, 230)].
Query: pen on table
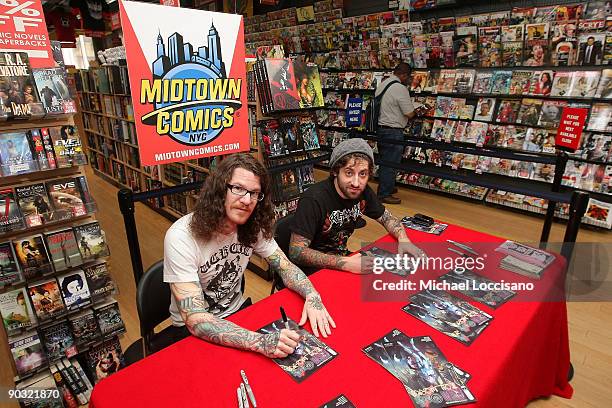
[(239, 393), (462, 246), (284, 315), (458, 252), (245, 401), (248, 388)]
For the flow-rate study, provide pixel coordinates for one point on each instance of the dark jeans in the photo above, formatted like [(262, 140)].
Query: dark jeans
[(390, 153)]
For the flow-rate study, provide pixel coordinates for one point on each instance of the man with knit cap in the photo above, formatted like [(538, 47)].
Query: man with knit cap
[(326, 214)]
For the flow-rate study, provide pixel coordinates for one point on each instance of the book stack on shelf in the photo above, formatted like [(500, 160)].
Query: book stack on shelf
[(287, 132), (55, 287), (497, 81)]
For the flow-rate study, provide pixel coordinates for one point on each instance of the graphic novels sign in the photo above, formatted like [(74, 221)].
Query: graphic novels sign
[(188, 81), (570, 128), (23, 29)]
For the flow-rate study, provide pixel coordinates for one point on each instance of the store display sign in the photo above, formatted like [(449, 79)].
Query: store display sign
[(188, 81), (570, 128), (353, 112), (23, 29)]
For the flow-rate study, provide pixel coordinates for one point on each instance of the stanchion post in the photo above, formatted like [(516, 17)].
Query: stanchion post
[(578, 207), (552, 205), (125, 196)]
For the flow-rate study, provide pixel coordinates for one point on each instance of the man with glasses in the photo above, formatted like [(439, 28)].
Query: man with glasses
[(207, 251)]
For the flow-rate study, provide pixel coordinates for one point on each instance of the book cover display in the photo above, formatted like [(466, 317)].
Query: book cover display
[(15, 154), (46, 299), (18, 95), (10, 214), (32, 256), (16, 310)]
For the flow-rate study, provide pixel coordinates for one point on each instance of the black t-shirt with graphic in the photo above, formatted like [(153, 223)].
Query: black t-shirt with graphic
[(328, 220)]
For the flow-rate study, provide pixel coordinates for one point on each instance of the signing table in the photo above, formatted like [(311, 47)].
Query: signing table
[(522, 355)]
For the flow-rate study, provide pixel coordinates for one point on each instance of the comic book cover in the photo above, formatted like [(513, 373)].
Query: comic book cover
[(564, 43), (289, 183), (34, 204), (27, 353), (84, 327), (67, 146), (289, 129), (92, 242), (9, 271), (16, 311), (485, 109), (604, 89), (500, 82), (476, 133), (489, 46), (529, 112), (18, 95), (306, 177), (58, 341), (483, 82), (282, 84), (521, 82), (32, 256), (594, 146), (442, 106), (66, 198), (465, 48), (550, 114), (570, 11), (541, 83), (561, 84), (534, 140), (307, 132), (63, 249), (508, 111), (600, 118), (109, 318), (105, 359), (53, 90), (464, 80), (512, 33), (46, 299), (340, 401), (512, 53), (308, 84), (599, 212), (448, 314), (310, 355), (597, 9), (522, 15), (536, 48), (15, 154), (419, 80), (590, 48), (544, 172), (584, 84), (11, 218), (446, 81)]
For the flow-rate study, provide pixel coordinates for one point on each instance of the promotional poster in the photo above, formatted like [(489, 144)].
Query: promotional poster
[(188, 82)]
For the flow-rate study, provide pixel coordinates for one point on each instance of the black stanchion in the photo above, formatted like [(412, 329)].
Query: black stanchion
[(126, 205), (552, 205), (578, 207)]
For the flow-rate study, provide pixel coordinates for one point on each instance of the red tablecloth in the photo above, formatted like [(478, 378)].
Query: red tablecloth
[(522, 355)]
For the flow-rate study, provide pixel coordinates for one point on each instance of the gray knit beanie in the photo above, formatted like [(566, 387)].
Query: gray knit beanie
[(356, 145)]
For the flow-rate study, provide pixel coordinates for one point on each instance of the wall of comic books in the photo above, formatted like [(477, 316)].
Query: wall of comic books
[(498, 80), (60, 322)]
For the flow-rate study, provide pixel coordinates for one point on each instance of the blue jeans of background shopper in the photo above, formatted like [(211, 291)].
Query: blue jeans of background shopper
[(390, 153)]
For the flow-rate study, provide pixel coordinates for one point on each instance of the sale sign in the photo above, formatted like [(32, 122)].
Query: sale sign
[(570, 128), (188, 81), (23, 29)]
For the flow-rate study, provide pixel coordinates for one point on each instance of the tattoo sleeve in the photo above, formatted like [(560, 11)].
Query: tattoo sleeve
[(392, 225), (292, 276), (300, 252), (193, 309)]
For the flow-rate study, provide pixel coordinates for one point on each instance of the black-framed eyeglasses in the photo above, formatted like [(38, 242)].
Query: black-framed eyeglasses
[(241, 191)]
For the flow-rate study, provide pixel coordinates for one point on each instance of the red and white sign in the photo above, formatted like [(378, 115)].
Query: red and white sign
[(171, 3), (570, 128), (23, 29), (188, 81)]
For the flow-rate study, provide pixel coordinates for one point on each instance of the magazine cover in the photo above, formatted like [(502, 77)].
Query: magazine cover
[(92, 243), (99, 280), (600, 118), (53, 91), (550, 116), (500, 82), (46, 299), (489, 46), (512, 53), (590, 48), (562, 82), (109, 318), (604, 89), (529, 112), (310, 355), (34, 204), (15, 154), (84, 327), (67, 146), (541, 83), (75, 290), (105, 359), (483, 82), (16, 310), (535, 139), (584, 84), (485, 109), (508, 110), (564, 43), (18, 95), (9, 271), (32, 256), (521, 82), (536, 44), (544, 172), (599, 212), (66, 198), (10, 215), (27, 353), (58, 340), (63, 249)]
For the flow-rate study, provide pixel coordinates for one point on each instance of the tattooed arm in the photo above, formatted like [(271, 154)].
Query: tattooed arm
[(301, 253), (395, 228), (296, 280), (192, 306)]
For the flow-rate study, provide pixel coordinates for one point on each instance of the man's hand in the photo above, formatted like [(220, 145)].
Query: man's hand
[(278, 344), (317, 315), (408, 248), (358, 264)]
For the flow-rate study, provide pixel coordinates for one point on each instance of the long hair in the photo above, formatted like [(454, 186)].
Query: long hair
[(209, 211)]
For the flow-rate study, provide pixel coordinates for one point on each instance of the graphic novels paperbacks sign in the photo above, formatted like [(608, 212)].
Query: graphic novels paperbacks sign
[(188, 81)]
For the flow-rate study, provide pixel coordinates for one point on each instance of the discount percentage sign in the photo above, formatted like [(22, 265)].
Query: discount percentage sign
[(23, 16)]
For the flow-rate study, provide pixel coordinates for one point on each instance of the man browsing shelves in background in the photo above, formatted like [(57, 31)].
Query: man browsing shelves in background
[(207, 251), (326, 213)]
